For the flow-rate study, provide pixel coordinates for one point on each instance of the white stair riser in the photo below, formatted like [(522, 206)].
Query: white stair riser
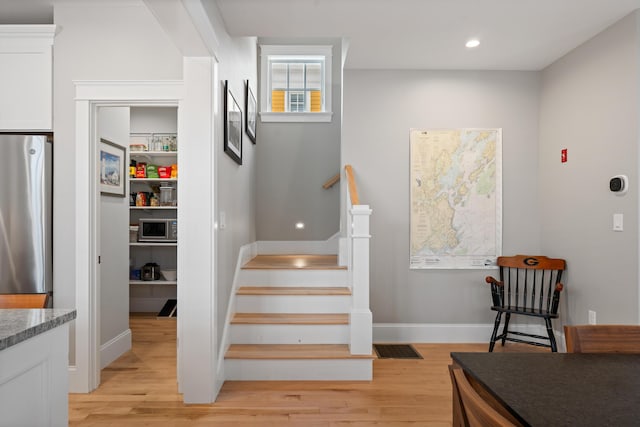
[(289, 334), (293, 303), (293, 277), (299, 369), (296, 247)]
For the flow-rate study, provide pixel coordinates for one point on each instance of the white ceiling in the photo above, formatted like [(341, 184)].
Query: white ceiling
[(430, 34), (410, 34)]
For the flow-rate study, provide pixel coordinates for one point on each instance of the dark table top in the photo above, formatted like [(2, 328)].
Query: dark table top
[(561, 389)]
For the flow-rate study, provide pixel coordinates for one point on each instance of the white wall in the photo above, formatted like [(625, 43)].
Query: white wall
[(113, 40), (379, 109), (589, 105), (113, 125), (294, 160)]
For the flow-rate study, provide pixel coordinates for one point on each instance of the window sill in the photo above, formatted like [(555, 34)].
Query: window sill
[(267, 117)]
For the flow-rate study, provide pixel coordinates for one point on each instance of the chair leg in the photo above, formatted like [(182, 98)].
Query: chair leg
[(496, 325), (552, 338), (505, 330)]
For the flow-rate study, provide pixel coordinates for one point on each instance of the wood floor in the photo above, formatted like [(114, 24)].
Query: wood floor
[(139, 389), (294, 262)]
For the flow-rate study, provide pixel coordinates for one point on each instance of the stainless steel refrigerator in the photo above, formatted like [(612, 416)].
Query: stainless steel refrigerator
[(25, 214)]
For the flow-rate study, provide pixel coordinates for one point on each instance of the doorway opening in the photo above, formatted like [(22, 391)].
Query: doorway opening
[(137, 273), (111, 101)]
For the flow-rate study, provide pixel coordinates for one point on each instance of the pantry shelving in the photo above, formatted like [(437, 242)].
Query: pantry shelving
[(152, 197)]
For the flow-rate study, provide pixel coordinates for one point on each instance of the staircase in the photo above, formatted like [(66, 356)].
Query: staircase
[(303, 317), (292, 321)]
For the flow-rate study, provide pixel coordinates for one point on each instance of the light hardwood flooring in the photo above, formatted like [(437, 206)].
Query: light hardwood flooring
[(294, 262), (139, 389)]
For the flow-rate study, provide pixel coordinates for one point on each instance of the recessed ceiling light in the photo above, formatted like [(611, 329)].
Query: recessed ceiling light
[(299, 225), (473, 43)]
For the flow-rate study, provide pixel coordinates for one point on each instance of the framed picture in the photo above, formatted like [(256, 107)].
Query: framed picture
[(250, 109), (232, 126), (113, 176)]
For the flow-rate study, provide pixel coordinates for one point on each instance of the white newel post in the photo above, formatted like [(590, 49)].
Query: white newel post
[(360, 316)]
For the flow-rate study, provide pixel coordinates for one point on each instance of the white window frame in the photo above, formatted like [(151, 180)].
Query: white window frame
[(266, 115)]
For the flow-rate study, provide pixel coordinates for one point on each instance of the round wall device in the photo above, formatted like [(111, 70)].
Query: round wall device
[(619, 184)]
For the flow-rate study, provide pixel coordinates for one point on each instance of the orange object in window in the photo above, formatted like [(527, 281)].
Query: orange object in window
[(316, 101), (277, 101)]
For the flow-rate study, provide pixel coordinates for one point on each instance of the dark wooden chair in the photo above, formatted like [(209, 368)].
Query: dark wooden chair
[(474, 410), (602, 338), (528, 286), (23, 300)]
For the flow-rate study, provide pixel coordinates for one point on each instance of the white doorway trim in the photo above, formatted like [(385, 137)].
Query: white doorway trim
[(89, 95)]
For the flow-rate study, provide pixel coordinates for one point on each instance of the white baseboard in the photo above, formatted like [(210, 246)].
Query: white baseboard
[(115, 348), (76, 385), (431, 333), (449, 333)]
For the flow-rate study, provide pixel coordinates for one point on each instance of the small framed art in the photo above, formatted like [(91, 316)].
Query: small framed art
[(112, 169), (232, 125), (251, 112)]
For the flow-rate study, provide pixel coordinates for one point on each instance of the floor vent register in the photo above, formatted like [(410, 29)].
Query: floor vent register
[(396, 351)]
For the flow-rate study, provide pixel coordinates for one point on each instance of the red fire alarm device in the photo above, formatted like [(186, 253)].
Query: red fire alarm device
[(563, 155)]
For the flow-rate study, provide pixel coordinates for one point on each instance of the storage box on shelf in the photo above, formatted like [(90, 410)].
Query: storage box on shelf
[(153, 180)]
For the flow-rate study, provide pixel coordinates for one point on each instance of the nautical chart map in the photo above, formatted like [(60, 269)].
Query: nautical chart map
[(456, 198)]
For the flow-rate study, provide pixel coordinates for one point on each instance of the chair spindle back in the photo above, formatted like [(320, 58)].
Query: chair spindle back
[(530, 283)]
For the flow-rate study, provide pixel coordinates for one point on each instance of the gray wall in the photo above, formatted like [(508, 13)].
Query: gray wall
[(113, 125), (235, 184), (293, 161), (589, 105), (379, 109)]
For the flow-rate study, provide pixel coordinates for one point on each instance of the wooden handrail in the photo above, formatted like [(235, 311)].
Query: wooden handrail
[(353, 190), (331, 181)]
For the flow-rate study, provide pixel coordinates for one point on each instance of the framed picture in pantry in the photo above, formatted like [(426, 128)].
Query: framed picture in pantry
[(251, 111), (232, 125), (112, 169)]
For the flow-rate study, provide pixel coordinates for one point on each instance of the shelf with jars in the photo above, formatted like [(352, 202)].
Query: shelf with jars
[(154, 166)]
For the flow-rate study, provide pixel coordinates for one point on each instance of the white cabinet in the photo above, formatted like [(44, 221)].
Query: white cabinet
[(26, 63), (34, 376), (152, 197)]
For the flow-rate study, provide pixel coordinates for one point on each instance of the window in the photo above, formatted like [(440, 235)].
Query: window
[(295, 83), (296, 102)]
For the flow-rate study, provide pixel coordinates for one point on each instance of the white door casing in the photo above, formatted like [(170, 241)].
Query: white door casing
[(194, 99)]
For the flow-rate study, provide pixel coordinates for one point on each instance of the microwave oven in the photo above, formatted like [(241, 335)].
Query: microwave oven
[(158, 230)]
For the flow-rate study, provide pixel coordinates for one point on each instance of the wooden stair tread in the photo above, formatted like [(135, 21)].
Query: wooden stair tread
[(292, 351), (290, 319), (291, 290), (294, 262)]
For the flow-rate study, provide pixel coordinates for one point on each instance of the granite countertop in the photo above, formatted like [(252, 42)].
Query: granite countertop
[(561, 389), (17, 325)]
